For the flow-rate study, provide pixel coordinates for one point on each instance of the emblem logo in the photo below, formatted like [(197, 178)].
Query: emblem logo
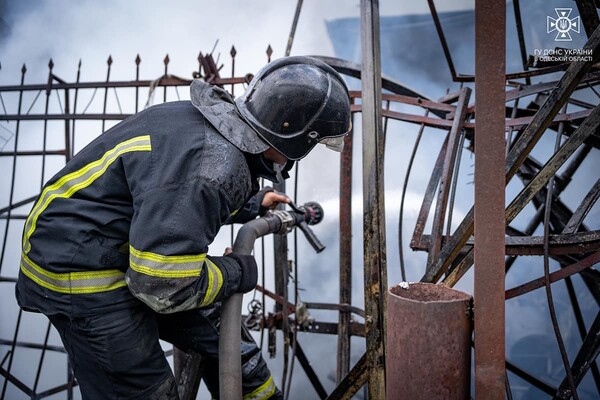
[(563, 25)]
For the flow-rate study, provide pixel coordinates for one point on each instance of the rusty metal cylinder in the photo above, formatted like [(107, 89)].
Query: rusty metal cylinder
[(428, 342)]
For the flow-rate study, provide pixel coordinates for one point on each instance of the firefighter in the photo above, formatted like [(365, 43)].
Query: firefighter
[(114, 250)]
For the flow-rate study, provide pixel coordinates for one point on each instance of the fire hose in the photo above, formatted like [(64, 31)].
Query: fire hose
[(280, 222)]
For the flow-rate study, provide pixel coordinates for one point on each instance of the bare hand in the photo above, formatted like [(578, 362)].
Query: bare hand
[(272, 199), (228, 250)]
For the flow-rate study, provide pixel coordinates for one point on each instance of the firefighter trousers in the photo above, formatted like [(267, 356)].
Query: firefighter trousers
[(117, 355)]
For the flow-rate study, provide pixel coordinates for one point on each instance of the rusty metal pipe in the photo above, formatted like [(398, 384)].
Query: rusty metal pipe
[(428, 342)]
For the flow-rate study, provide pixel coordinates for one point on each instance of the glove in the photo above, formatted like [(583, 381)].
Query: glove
[(249, 271)]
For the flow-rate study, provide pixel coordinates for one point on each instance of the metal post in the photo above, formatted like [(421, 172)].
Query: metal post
[(288, 48), (109, 62), (67, 128), (446, 179), (343, 362), (490, 36), (373, 199), (281, 265)]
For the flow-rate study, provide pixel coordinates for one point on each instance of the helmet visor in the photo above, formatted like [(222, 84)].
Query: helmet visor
[(334, 143)]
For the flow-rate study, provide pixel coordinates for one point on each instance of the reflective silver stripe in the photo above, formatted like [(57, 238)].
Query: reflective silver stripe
[(73, 282), (69, 184)]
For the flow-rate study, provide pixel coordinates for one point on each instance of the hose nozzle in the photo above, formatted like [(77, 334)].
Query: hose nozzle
[(313, 212)]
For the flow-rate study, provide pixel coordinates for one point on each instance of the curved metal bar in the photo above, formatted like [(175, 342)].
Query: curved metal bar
[(402, 199), (547, 283)]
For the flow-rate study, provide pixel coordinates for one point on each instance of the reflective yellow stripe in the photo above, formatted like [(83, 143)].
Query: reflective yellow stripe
[(146, 255), (211, 281), (73, 282), (152, 264), (233, 214), (215, 282), (264, 391), (182, 266), (69, 184), (159, 273)]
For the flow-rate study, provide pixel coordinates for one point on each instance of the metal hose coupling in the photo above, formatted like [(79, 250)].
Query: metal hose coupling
[(310, 213), (285, 220)]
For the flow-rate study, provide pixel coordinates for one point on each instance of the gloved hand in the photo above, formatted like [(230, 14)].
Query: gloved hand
[(249, 270)]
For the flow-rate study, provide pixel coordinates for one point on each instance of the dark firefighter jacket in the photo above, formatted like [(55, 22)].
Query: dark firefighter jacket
[(132, 214)]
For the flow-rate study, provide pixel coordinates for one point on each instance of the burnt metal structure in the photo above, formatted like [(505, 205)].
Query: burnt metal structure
[(542, 99)]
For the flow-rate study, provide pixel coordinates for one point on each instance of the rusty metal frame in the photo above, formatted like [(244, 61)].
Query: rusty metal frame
[(453, 140), (515, 245), (520, 150)]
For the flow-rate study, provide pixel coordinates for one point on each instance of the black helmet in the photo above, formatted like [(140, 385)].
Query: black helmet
[(293, 103)]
